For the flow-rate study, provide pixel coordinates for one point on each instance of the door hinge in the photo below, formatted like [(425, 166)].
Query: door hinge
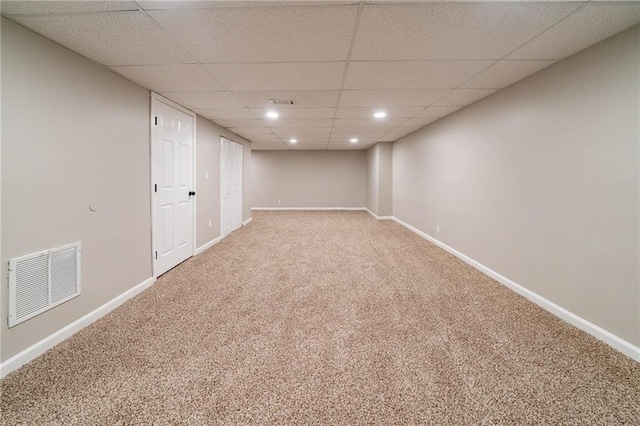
[(155, 187), (155, 120), (156, 255)]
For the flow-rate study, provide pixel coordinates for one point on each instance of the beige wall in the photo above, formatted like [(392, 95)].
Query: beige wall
[(385, 179), (372, 179), (540, 183), (379, 179), (73, 133), (208, 190), (309, 179)]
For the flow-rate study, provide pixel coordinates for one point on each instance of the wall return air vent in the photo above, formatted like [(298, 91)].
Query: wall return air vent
[(282, 101), (40, 281)]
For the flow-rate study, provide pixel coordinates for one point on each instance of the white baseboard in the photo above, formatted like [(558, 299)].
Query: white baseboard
[(50, 341), (207, 245), (246, 222), (308, 208), (379, 217), (607, 337)]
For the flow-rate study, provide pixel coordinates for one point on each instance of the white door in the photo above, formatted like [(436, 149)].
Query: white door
[(236, 188), (225, 188), (172, 186), (230, 186)]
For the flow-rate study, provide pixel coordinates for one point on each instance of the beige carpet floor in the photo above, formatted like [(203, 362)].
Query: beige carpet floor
[(326, 318)]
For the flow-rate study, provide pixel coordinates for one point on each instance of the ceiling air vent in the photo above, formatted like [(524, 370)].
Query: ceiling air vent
[(40, 281), (282, 101)]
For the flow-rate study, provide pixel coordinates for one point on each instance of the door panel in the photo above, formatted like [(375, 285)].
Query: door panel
[(183, 171), (184, 224), (167, 164), (172, 180), (167, 230)]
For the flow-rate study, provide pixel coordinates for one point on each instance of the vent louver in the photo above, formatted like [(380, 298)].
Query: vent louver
[(40, 281), (282, 101)]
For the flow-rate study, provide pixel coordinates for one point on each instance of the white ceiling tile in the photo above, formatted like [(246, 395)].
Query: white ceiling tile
[(411, 74), (462, 97), (452, 30), (467, 1), (349, 145), (418, 121), (353, 146), (589, 25), (288, 132), (283, 76), (336, 140), (204, 99), (301, 143), (306, 143), (366, 130), (231, 123), (197, 4), (303, 98), (225, 113), (406, 129), (505, 73), (437, 111), (257, 147), (393, 112), (125, 38), (395, 135), (390, 98), (308, 147), (262, 34), (390, 138), (309, 142), (358, 132), (265, 139), (319, 122), (346, 143), (171, 78), (23, 7), (251, 130), (296, 113), (368, 122), (179, 4)]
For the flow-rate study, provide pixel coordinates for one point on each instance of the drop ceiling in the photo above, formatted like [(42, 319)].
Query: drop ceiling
[(339, 60)]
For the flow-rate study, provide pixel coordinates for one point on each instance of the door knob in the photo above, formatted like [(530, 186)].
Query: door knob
[(192, 193)]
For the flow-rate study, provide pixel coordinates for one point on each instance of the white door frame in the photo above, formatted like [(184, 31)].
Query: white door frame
[(160, 98)]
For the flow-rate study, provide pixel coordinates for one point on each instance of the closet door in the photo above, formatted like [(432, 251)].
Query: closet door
[(230, 186), (225, 188), (236, 189)]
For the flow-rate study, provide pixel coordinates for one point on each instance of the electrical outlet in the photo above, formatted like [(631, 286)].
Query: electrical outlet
[(438, 229), (209, 223), (278, 201)]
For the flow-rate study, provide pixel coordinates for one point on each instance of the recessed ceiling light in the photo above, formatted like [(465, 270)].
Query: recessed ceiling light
[(380, 114), (354, 140), (272, 114), (293, 140)]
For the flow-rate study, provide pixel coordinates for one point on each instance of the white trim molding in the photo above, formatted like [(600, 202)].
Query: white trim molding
[(309, 208), (379, 217), (64, 333), (599, 333), (246, 222), (207, 245)]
